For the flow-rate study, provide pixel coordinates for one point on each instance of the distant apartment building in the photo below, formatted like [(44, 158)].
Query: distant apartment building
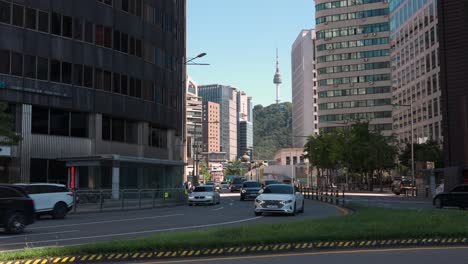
[(211, 127), (416, 70), (245, 125), (226, 97), (194, 124), (304, 88), (353, 63)]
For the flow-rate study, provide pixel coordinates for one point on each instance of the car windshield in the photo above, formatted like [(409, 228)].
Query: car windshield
[(279, 189), (237, 181), (270, 182), (224, 183), (251, 184), (203, 189), (210, 183)]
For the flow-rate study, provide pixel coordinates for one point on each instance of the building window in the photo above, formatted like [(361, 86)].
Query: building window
[(78, 74), (107, 81), (106, 128), (124, 84), (38, 170), (43, 21), (5, 59), (117, 40), (116, 83), (88, 76), (78, 29), (67, 26), (124, 43), (30, 66), (107, 2), (66, 72), (99, 35), (56, 24), (54, 71), (125, 5), (16, 64), (40, 120), (31, 18), (98, 79), (88, 32), (118, 133), (59, 122), (79, 125), (42, 68), (5, 12), (158, 137), (18, 15)]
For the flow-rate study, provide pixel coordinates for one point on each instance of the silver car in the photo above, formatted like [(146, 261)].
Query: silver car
[(204, 194), (279, 198)]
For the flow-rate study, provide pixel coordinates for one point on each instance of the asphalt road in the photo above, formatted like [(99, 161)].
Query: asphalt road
[(388, 200), (93, 227), (383, 256)]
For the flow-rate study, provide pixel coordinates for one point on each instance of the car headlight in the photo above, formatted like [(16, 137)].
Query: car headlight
[(258, 201), (191, 197), (208, 197), (244, 191), (287, 202)]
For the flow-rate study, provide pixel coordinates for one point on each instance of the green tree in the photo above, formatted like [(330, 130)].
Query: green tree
[(429, 151), (234, 168), (205, 172), (7, 135)]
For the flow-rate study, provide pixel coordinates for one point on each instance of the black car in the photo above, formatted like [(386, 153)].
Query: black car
[(457, 197), (236, 184), (268, 182), (250, 189), (16, 208)]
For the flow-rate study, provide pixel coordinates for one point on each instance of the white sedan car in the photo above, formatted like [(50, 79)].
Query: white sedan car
[(204, 194), (279, 198)]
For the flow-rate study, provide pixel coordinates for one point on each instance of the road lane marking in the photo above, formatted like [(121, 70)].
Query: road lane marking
[(217, 209), (134, 233), (203, 260), (107, 221), (41, 234)]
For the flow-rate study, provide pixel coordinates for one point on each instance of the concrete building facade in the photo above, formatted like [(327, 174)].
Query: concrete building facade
[(194, 123), (245, 125), (416, 70), (211, 127), (304, 88), (96, 92), (226, 97), (353, 63)]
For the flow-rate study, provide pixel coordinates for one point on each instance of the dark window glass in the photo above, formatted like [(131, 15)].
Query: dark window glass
[(138, 88), (118, 130), (9, 193), (5, 59), (125, 5), (67, 25), (40, 120), (124, 84), (280, 189), (107, 37), (56, 24), (54, 71), (88, 29), (30, 66), (79, 125), (132, 45), (43, 21), (17, 64), (88, 76), (78, 29), (138, 8), (99, 35), (18, 15), (78, 74), (106, 128), (42, 68), (38, 172), (131, 132), (116, 83), (138, 48), (31, 16), (117, 40), (98, 79), (124, 45), (5, 12), (59, 122), (66, 72), (131, 6), (132, 87), (107, 85)]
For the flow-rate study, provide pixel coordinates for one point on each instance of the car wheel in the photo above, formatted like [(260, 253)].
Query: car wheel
[(190, 204), (242, 198), (258, 213), (15, 223), (438, 203), (302, 208), (294, 210), (397, 193), (60, 211)]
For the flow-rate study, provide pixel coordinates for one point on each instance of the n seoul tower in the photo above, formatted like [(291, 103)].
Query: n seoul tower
[(277, 79)]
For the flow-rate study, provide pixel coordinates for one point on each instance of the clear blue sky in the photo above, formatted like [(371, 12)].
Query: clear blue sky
[(240, 38)]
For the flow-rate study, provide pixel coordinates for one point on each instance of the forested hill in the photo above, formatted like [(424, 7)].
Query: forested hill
[(272, 129)]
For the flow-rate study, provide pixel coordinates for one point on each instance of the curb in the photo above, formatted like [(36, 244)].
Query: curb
[(249, 250)]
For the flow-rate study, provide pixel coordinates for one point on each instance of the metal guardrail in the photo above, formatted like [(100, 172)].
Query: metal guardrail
[(106, 200), (333, 196)]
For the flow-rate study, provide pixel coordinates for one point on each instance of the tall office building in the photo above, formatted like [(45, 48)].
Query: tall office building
[(416, 70), (245, 126), (226, 97), (453, 29), (194, 126), (353, 63), (95, 88), (304, 88), (211, 127)]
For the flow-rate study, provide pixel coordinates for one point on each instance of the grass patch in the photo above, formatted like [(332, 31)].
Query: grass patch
[(366, 223)]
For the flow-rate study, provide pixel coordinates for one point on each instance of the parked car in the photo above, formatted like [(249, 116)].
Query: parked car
[(279, 198), (50, 199), (457, 197), (236, 184), (250, 189), (225, 185), (402, 185), (16, 208), (204, 194)]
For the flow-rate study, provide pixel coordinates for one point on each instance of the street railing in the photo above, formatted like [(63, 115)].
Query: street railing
[(106, 199), (328, 195)]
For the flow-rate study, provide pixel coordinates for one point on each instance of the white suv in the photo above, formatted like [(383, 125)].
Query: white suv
[(52, 199)]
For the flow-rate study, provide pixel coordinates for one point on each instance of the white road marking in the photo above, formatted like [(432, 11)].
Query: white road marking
[(41, 234), (217, 209), (133, 233), (107, 221)]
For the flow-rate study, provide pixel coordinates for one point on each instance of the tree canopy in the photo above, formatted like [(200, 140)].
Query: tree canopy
[(7, 134)]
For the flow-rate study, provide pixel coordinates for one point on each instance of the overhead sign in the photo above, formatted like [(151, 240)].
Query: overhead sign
[(5, 151)]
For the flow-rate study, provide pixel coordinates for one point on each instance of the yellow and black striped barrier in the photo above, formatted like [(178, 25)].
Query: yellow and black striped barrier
[(247, 250)]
